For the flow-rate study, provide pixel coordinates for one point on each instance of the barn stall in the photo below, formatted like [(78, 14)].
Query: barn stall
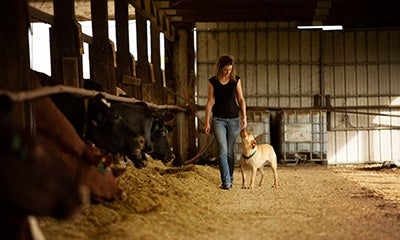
[(350, 75)]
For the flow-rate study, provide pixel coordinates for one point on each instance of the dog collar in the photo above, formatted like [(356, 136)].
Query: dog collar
[(251, 154)]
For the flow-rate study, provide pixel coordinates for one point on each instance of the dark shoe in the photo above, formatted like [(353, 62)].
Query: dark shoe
[(226, 186)]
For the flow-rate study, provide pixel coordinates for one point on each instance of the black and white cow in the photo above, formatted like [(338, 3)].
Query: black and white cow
[(126, 128)]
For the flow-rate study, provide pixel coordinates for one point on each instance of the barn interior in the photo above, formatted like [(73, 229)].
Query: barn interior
[(347, 75), (320, 95)]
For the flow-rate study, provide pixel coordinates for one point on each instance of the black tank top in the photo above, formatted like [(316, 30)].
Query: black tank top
[(225, 105)]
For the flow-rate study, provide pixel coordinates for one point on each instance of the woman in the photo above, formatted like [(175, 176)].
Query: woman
[(224, 95)]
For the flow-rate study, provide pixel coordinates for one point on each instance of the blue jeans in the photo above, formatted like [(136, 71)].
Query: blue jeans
[(226, 130)]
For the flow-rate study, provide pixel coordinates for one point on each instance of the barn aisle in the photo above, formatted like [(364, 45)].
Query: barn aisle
[(312, 202)]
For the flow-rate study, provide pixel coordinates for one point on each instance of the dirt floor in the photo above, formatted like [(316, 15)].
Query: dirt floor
[(311, 202)]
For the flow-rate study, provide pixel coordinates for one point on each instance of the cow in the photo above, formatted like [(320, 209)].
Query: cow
[(32, 181), (85, 161), (115, 127)]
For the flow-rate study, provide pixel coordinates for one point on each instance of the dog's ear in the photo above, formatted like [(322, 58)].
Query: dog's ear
[(253, 143)]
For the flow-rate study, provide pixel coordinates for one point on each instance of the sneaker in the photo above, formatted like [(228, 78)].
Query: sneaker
[(226, 186)]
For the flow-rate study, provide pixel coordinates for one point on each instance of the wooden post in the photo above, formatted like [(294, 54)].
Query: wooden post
[(101, 52), (66, 45), (143, 67), (122, 35), (156, 63), (14, 61), (169, 70), (184, 68)]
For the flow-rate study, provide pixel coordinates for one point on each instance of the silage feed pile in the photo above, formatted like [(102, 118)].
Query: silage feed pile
[(160, 202)]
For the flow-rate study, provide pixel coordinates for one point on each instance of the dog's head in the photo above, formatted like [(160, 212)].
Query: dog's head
[(248, 139)]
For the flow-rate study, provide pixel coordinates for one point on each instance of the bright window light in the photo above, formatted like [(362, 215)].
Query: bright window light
[(323, 27)]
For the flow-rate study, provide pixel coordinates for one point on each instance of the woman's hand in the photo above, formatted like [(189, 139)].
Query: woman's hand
[(244, 123), (207, 128)]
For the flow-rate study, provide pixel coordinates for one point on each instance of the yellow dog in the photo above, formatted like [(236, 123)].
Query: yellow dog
[(254, 157)]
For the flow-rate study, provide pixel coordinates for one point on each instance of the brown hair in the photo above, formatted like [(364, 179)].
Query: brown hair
[(221, 63)]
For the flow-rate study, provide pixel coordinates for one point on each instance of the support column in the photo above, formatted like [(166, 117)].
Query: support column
[(66, 45), (156, 64), (14, 61), (142, 67), (102, 51), (184, 69), (122, 35)]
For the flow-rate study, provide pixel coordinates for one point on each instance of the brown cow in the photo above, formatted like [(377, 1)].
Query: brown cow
[(79, 157), (32, 182)]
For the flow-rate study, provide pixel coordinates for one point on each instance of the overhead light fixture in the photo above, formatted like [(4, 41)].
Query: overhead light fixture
[(323, 27)]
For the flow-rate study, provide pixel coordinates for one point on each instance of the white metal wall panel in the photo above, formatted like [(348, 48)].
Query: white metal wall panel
[(279, 65), (361, 68), (282, 67)]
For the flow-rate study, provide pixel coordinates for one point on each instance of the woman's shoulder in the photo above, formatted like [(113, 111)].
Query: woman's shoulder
[(213, 79)]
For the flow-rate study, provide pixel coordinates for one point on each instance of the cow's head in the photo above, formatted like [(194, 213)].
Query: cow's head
[(32, 182), (161, 148)]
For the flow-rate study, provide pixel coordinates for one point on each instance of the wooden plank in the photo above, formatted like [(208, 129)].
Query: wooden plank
[(102, 58), (14, 60), (122, 40), (142, 69), (65, 39)]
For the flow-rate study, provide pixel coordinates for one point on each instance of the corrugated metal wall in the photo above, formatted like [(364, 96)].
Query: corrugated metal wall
[(282, 67), (362, 69)]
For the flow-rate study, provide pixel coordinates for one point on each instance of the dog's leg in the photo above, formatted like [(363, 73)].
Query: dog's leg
[(275, 172), (261, 169), (253, 177), (243, 177)]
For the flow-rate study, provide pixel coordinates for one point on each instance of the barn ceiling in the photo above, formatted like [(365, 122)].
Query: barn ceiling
[(349, 13)]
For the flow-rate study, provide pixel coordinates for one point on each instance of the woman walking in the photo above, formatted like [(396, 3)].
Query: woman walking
[(225, 101)]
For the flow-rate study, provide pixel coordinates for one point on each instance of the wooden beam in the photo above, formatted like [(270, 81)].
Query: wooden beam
[(155, 17)]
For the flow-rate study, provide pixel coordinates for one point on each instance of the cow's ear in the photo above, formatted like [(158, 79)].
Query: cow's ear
[(253, 143)]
